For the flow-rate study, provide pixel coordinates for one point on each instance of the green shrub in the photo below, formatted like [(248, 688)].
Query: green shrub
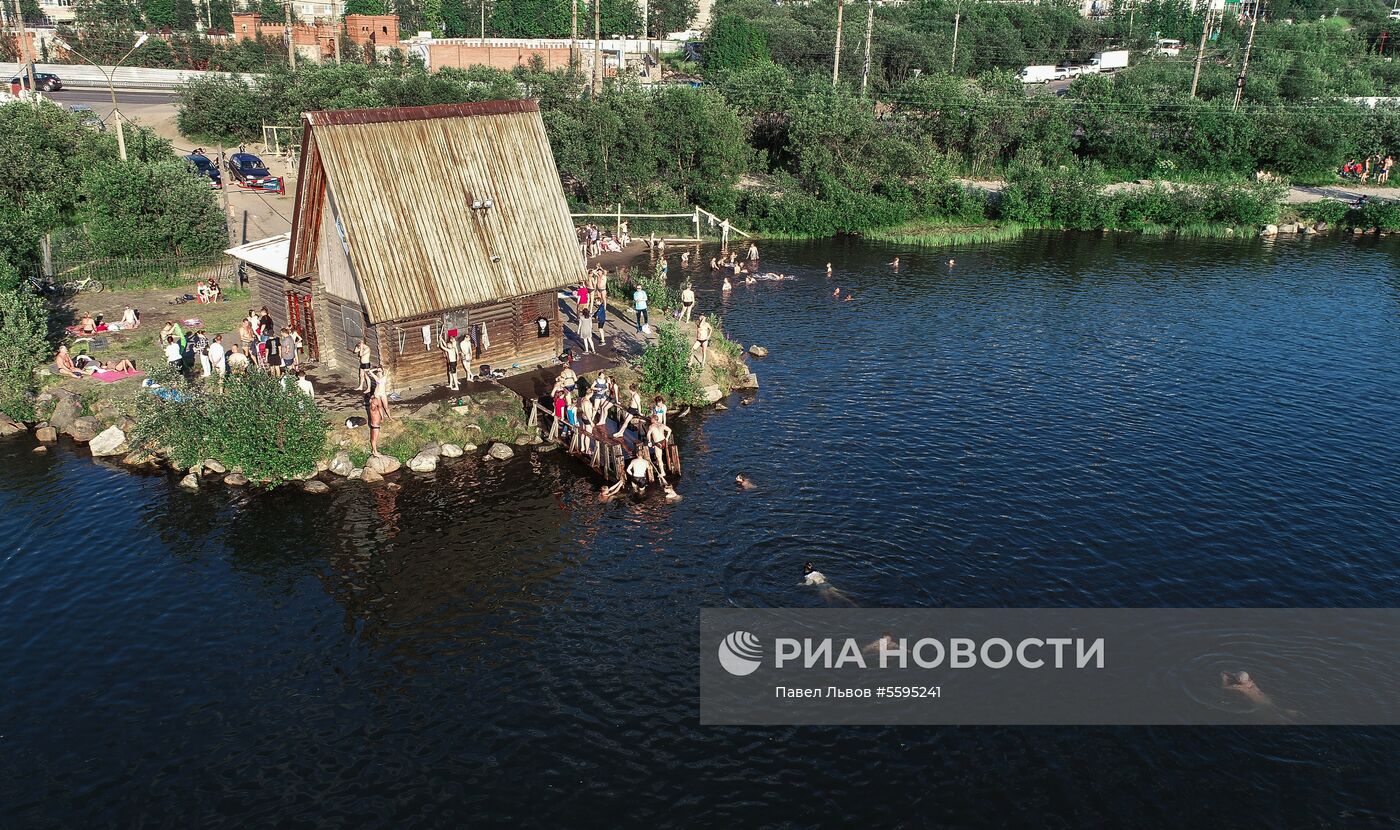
[(666, 368), (1330, 211), (24, 324), (253, 423), (1383, 216)]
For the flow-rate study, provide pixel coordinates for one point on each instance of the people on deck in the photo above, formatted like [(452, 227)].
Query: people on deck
[(658, 438), (633, 409), (448, 345), (585, 329), (658, 409)]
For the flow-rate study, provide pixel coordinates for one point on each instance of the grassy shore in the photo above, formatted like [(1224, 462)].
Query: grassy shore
[(941, 233)]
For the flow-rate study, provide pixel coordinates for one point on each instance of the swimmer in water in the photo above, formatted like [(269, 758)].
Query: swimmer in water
[(828, 269), (744, 482), (671, 494), (1244, 684), (886, 641), (849, 296), (837, 292), (726, 286), (895, 264), (813, 577)]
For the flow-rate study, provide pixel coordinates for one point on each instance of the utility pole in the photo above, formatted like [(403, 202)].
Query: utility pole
[(573, 34), (597, 48), (1201, 53), (836, 59), (28, 56), (869, 27), (953, 64), (339, 22), (223, 194), (483, 22), (1248, 45), (291, 43), (1132, 9)]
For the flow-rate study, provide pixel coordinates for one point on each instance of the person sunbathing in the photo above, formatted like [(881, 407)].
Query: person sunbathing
[(131, 319), (87, 325), (63, 362)]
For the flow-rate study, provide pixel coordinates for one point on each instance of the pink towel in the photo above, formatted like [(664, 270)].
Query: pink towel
[(113, 377)]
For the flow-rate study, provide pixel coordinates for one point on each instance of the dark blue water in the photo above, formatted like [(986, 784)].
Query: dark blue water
[(1069, 420)]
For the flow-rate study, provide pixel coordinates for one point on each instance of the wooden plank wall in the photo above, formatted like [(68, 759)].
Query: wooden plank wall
[(337, 347)]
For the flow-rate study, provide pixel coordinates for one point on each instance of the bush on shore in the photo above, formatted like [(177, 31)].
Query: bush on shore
[(252, 422), (666, 368), (24, 325)]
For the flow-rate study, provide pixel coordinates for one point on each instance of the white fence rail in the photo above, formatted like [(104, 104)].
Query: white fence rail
[(82, 76)]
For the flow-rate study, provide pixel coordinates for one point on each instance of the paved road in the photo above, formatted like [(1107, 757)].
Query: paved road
[(102, 98)]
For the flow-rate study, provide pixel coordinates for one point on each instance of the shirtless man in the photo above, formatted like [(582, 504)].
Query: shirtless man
[(703, 331), (130, 319), (895, 264), (658, 438), (449, 349), (634, 409), (64, 362), (378, 412), (812, 576), (362, 352), (1244, 684), (744, 482)]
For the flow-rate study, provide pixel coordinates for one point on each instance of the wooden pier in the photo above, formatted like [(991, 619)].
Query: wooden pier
[(604, 454)]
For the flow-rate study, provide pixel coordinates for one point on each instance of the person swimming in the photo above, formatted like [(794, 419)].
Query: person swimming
[(1241, 682), (726, 286), (744, 482), (895, 264), (812, 576), (828, 269), (837, 292), (815, 578), (849, 296)]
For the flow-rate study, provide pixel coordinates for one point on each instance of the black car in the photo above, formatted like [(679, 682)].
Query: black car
[(44, 81), (248, 168), (202, 166)]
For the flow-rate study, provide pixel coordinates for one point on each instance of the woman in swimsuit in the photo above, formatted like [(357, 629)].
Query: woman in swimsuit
[(703, 331), (658, 410)]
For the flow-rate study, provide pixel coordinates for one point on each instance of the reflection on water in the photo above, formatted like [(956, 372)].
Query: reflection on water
[(1072, 420)]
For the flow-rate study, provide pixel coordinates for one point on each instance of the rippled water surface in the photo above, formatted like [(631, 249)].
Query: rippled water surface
[(1065, 421)]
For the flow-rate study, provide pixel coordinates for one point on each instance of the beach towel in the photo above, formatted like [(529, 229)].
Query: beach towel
[(79, 329), (113, 377)]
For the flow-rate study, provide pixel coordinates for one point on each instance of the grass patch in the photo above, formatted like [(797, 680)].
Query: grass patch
[(938, 233)]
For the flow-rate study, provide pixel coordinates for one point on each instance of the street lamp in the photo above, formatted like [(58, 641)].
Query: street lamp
[(116, 113)]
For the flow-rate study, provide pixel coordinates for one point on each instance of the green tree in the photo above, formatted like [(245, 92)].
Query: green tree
[(366, 7), (23, 344), (159, 13), (185, 15), (734, 43), (133, 209), (455, 18), (666, 16), (532, 18)]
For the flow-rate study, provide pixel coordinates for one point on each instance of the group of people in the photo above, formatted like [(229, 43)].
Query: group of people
[(208, 292), (592, 241), (1372, 166)]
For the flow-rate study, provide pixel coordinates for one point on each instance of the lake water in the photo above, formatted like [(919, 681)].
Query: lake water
[(1066, 420)]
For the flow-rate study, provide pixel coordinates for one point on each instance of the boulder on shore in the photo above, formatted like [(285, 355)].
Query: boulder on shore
[(46, 434), (83, 429), (750, 381), (40, 449), (1288, 227), (314, 486), (758, 351), (369, 476), (711, 394), (110, 441), (432, 448), (341, 464), (1269, 230), (235, 479), (190, 482), (451, 451), (423, 463), (139, 458), (500, 452), (66, 409), (9, 426), (382, 464)]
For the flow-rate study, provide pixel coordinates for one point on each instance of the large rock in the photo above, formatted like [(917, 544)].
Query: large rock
[(235, 479), (750, 381), (9, 426), (369, 476), (1269, 230), (46, 434), (1288, 227), (83, 429), (758, 351), (190, 482), (500, 452), (213, 467), (1320, 227), (451, 451), (341, 465), (468, 448), (432, 448), (314, 486), (382, 464), (139, 458), (67, 407), (423, 463), (110, 441), (711, 394)]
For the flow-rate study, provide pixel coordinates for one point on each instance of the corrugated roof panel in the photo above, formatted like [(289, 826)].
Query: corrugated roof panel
[(404, 188)]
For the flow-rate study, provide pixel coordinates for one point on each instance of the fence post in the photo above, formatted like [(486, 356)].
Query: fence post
[(697, 224)]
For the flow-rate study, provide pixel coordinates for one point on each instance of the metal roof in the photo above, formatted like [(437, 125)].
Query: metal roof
[(402, 182), (269, 254)]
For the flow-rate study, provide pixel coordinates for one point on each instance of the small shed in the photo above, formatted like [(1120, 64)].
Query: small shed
[(418, 221)]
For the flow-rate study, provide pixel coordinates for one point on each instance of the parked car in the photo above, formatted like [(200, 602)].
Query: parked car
[(1037, 74), (247, 170), (88, 117), (1068, 71), (202, 166), (43, 81)]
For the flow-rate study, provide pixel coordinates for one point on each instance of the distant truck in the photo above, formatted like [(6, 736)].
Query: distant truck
[(1040, 74), (1107, 62)]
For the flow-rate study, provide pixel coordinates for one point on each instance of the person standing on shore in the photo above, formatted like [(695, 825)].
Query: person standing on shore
[(362, 352), (216, 358), (448, 345), (585, 329), (639, 304), (687, 302), (703, 331), (1384, 176)]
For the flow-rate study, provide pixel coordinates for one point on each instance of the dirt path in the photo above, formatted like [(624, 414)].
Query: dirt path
[(1297, 194)]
